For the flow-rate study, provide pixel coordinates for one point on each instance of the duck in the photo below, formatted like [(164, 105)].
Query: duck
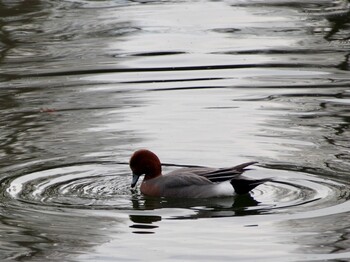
[(191, 181)]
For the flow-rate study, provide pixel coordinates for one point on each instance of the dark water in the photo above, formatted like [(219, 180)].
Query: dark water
[(85, 83)]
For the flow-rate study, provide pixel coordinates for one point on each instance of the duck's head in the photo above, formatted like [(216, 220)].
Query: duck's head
[(144, 162)]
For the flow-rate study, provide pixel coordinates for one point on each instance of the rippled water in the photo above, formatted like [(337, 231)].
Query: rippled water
[(85, 83)]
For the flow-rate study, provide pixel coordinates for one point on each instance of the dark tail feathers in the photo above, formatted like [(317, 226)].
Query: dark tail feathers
[(242, 167), (243, 185)]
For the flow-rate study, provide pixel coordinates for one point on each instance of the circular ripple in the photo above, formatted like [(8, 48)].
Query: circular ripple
[(88, 185), (301, 195), (103, 186)]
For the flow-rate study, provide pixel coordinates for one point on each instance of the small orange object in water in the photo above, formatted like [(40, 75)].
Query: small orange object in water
[(47, 110)]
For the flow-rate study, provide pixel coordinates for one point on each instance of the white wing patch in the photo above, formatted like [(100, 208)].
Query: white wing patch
[(224, 189)]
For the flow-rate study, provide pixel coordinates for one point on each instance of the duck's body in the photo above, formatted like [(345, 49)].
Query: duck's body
[(189, 182), (184, 183)]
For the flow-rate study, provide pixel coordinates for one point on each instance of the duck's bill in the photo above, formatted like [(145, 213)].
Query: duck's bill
[(135, 178)]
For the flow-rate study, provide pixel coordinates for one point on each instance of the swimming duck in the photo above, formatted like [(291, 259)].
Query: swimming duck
[(189, 182)]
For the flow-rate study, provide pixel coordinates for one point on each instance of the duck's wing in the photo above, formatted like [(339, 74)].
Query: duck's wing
[(204, 182), (183, 179), (219, 174)]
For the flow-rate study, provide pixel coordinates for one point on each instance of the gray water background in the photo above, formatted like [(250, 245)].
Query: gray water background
[(83, 84)]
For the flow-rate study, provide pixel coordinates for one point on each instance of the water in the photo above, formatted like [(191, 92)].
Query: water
[(216, 83)]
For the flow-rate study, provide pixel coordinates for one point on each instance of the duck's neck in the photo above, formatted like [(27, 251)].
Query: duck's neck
[(151, 175)]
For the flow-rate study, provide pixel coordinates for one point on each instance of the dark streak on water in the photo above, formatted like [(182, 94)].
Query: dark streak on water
[(203, 83)]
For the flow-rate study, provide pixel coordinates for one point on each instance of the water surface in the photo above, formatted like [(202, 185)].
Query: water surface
[(83, 84)]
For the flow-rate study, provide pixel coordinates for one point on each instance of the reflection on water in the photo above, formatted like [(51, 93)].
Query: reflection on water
[(85, 83)]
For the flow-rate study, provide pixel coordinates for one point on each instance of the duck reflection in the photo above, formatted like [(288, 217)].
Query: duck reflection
[(200, 208), (182, 209), (144, 224)]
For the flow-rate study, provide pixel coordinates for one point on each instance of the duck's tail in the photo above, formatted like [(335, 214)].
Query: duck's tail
[(243, 185)]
